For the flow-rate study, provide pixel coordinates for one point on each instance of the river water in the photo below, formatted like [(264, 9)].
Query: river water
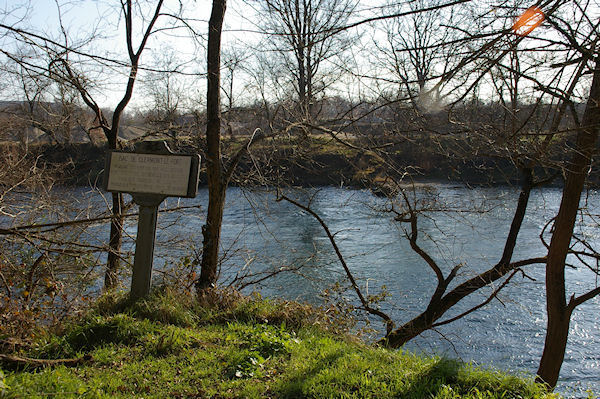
[(462, 225)]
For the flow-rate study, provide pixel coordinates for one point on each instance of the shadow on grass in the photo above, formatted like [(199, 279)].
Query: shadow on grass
[(427, 384), (432, 381), (296, 386)]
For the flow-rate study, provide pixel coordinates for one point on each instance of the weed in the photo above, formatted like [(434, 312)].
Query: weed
[(92, 332), (164, 305)]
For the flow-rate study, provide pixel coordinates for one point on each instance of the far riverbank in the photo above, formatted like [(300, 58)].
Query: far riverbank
[(309, 162)]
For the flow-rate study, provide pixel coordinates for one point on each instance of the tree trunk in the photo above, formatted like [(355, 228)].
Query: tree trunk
[(302, 98), (114, 244), (116, 226), (557, 333), (559, 312), (412, 329), (211, 231)]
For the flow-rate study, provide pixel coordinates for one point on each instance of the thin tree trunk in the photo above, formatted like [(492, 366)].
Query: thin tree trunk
[(116, 226), (114, 244), (559, 312), (211, 231), (302, 98)]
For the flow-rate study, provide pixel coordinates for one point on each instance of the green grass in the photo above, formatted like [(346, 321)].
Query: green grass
[(233, 347)]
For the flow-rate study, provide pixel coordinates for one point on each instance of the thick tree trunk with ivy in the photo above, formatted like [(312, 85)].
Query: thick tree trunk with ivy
[(558, 309), (217, 182)]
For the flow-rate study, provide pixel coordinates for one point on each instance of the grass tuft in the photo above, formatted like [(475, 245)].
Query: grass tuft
[(164, 305), (225, 305)]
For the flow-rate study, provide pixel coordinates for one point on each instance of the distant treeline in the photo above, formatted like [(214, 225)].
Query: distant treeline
[(346, 144)]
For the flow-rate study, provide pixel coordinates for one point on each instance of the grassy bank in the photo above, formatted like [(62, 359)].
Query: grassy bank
[(228, 346)]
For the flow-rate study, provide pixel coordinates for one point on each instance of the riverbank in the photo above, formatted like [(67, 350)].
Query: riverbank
[(305, 161), (231, 346)]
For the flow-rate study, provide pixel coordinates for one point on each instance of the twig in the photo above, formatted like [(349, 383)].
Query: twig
[(14, 230), (18, 361), (365, 303)]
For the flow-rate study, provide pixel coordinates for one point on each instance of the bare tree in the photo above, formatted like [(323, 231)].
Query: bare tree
[(558, 309), (219, 174), (415, 51), (217, 181), (558, 75), (165, 89), (582, 44), (543, 82), (307, 36), (111, 129), (63, 67)]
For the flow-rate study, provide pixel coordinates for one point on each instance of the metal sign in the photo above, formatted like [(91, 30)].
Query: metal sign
[(150, 174), (170, 175)]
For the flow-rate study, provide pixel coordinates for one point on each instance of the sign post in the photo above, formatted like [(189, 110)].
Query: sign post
[(150, 174)]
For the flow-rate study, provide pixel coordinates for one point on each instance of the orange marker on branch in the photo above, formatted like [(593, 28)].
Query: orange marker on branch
[(531, 19)]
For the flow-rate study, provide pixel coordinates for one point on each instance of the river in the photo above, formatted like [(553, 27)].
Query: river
[(463, 225)]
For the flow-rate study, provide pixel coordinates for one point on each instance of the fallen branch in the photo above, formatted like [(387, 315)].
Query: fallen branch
[(18, 361)]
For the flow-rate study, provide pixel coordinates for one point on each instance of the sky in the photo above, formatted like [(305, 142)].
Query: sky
[(81, 17), (172, 47), (84, 18)]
